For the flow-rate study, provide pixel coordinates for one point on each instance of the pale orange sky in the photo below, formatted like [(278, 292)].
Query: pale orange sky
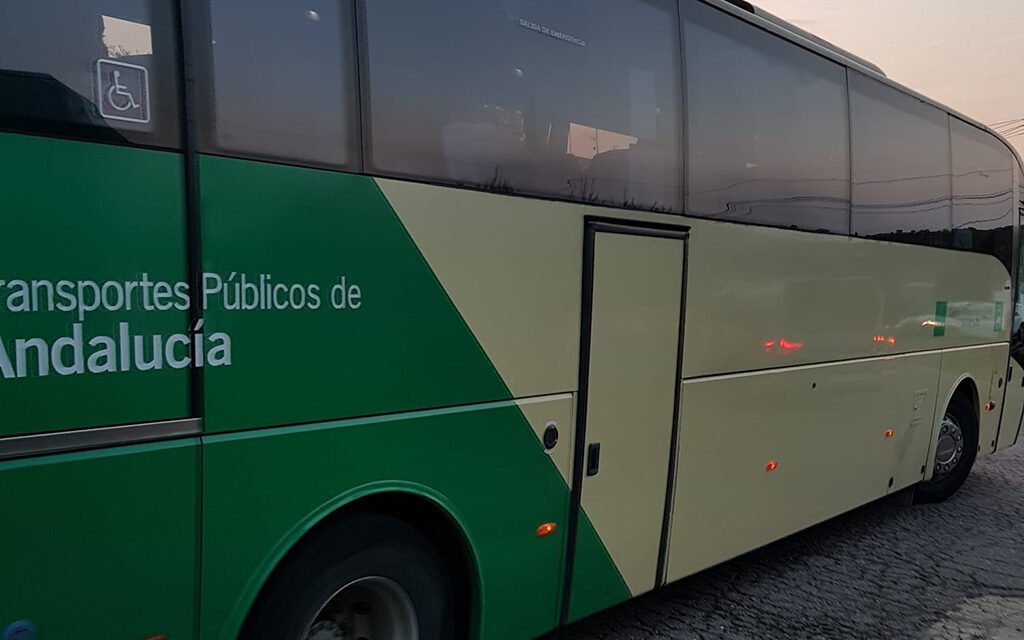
[(967, 54)]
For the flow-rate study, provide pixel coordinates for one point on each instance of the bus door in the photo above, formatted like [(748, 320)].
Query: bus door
[(629, 394), (1013, 400)]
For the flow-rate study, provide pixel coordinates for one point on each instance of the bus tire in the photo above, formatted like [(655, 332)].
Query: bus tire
[(364, 575), (954, 453)]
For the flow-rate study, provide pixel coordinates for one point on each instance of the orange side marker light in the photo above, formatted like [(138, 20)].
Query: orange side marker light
[(546, 529), (990, 406), (889, 433), (771, 466)]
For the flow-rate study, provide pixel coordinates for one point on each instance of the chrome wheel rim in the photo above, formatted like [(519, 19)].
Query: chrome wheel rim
[(371, 608), (950, 448)]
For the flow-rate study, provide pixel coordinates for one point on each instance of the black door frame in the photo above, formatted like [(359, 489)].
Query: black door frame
[(593, 226)]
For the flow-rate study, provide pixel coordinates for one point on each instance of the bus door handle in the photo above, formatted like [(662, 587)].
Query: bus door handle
[(593, 458)]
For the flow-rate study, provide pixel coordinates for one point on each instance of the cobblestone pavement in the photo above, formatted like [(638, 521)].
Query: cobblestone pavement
[(952, 570)]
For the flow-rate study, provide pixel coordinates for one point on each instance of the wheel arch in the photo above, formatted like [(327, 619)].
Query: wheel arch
[(964, 385), (426, 510)]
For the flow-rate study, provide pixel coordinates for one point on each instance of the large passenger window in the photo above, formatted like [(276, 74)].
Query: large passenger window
[(767, 126), (983, 202), (571, 98), (283, 81), (97, 69), (901, 166)]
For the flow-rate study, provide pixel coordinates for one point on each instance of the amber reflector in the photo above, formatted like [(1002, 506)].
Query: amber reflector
[(771, 466), (546, 529), (889, 433)]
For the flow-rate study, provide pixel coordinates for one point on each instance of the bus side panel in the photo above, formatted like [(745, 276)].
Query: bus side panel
[(102, 544), (986, 367), (263, 489), (764, 298), (81, 226), (331, 310), (767, 454)]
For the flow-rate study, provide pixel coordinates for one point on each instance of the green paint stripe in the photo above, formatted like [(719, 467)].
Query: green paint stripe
[(940, 319), (597, 583)]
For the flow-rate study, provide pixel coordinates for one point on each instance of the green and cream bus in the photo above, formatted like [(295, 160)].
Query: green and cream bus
[(333, 319)]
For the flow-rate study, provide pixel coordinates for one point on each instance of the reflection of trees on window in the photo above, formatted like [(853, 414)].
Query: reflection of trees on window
[(902, 189), (125, 38), (983, 200), (767, 127), (573, 99)]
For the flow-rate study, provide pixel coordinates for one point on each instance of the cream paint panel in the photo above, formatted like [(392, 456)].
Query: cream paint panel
[(557, 410), (911, 420), (512, 267), (984, 365), (829, 297), (1013, 407), (631, 396), (823, 425)]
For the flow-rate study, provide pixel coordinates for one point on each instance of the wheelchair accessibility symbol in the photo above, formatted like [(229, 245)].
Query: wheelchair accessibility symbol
[(122, 91)]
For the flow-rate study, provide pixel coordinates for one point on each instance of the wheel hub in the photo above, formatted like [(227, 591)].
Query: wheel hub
[(950, 448), (371, 608), (325, 630)]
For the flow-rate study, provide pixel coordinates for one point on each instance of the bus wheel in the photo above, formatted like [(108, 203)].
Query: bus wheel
[(954, 453), (366, 576)]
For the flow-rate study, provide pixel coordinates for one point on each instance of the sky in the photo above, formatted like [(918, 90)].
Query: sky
[(967, 54)]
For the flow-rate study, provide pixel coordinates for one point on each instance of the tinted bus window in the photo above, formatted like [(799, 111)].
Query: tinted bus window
[(571, 99), (983, 201), (767, 126), (100, 69), (283, 80), (901, 166)]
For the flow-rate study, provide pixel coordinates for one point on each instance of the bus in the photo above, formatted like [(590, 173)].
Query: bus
[(336, 319)]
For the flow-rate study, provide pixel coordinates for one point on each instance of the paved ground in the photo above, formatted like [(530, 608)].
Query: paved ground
[(954, 570)]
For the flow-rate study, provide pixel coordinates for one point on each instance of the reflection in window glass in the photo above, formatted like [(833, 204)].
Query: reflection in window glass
[(572, 99), (767, 127), (126, 39), (1017, 337), (983, 200), (901, 166), (102, 69), (283, 79)]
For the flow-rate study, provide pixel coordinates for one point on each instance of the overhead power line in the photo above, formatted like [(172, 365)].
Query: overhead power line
[(1009, 128), (1006, 122), (1010, 132)]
